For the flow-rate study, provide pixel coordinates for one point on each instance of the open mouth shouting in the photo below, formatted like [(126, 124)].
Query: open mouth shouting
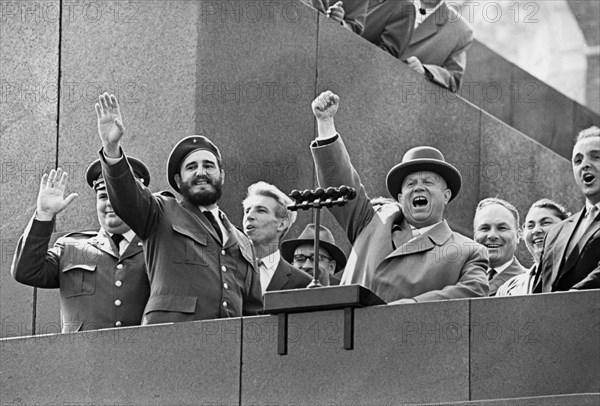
[(419, 202), (588, 179)]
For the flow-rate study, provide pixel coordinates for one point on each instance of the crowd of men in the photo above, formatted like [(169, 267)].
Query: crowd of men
[(160, 258), (429, 36)]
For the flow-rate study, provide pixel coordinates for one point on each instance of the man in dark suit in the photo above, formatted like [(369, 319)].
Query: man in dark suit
[(571, 255), (200, 265), (301, 253), (496, 227), (439, 43), (101, 274), (390, 24), (266, 221)]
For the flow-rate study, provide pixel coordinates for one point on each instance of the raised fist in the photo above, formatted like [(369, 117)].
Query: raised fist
[(325, 106)]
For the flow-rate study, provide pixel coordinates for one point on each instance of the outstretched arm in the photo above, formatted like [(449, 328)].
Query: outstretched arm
[(33, 264)]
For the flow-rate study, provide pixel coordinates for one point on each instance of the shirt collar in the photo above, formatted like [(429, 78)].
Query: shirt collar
[(271, 261), (589, 205), (501, 268), (423, 230), (419, 18), (128, 236)]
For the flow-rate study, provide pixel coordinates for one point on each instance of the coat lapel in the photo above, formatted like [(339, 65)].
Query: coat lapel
[(280, 277), (438, 235), (430, 26), (320, 5), (102, 242), (134, 248), (574, 256), (235, 236), (195, 210), (560, 262)]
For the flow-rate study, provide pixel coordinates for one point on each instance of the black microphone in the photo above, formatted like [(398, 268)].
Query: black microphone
[(422, 11)]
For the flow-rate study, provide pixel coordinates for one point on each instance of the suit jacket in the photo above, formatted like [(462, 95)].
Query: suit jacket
[(288, 277), (514, 269), (581, 269), (355, 12), (437, 265), (86, 269), (441, 44), (390, 25), (192, 275)]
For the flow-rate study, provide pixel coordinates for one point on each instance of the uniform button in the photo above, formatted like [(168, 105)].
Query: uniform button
[(224, 304), (118, 324), (117, 302), (223, 269), (120, 266), (118, 284), (226, 286), (223, 252)]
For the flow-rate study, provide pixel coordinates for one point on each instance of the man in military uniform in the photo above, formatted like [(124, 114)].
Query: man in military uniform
[(200, 265), (101, 274)]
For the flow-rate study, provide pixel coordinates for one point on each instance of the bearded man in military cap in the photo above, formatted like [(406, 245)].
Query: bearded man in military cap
[(200, 265), (101, 274), (404, 253)]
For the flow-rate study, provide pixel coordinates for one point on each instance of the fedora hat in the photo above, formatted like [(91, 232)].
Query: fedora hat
[(185, 147), (423, 159), (326, 241), (94, 178)]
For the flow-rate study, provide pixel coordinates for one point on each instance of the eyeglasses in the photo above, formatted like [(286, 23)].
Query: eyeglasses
[(302, 258)]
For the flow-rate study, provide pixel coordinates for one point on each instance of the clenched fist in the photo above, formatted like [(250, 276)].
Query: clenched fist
[(325, 106)]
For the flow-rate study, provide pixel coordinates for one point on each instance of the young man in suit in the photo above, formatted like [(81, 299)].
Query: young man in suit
[(266, 221), (101, 274), (200, 266), (571, 254), (496, 227), (439, 43), (398, 264)]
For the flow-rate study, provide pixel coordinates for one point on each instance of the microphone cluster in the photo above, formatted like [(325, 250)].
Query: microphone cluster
[(320, 197)]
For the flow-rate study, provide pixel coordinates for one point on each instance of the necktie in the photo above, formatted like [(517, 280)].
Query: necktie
[(213, 221), (117, 238), (586, 223), (491, 273)]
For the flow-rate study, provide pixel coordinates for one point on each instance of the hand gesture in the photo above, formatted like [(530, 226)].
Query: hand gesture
[(110, 123), (325, 106), (415, 64), (51, 200), (336, 12)]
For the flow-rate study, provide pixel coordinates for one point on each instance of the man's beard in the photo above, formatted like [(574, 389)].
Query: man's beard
[(204, 198)]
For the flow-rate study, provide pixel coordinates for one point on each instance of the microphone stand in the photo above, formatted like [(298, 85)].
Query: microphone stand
[(317, 199)]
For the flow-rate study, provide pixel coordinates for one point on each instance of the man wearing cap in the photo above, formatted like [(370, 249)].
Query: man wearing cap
[(200, 265), (301, 252), (101, 274), (266, 221), (396, 263)]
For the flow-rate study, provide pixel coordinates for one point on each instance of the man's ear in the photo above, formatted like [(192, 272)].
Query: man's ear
[(447, 195), (283, 224), (177, 180), (332, 266)]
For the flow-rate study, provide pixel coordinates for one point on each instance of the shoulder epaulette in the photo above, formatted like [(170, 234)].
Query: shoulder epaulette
[(166, 193), (81, 234)]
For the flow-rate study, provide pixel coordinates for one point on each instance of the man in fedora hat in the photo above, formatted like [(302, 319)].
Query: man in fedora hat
[(200, 266), (266, 221), (301, 252), (396, 263), (101, 274)]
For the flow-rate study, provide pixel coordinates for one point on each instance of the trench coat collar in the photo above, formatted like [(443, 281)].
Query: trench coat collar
[(431, 25), (438, 235)]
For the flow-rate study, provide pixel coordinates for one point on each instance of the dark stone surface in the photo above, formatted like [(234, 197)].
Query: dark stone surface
[(542, 112), (28, 109), (146, 55), (402, 354), (182, 364), (535, 345), (253, 93)]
